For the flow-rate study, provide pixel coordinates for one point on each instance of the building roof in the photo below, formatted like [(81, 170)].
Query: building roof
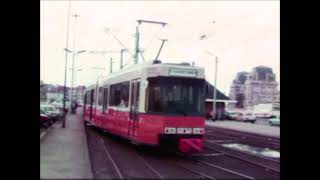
[(264, 73), (242, 77), (209, 93)]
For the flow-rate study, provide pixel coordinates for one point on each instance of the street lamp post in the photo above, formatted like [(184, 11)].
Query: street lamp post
[(75, 82), (73, 57), (214, 109), (72, 69), (215, 87)]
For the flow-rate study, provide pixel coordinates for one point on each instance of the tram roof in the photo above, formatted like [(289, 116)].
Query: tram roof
[(142, 70)]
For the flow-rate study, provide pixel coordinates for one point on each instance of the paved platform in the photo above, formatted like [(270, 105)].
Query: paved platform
[(64, 151), (246, 127)]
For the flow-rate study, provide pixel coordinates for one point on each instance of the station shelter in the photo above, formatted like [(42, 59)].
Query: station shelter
[(221, 102)]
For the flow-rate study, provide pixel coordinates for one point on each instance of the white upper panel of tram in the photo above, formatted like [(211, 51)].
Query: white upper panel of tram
[(148, 69)]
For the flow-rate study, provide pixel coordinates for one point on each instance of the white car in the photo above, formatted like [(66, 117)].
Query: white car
[(263, 114), (56, 104), (246, 117), (275, 121)]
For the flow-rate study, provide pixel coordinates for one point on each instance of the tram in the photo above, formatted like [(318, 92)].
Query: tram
[(156, 104)]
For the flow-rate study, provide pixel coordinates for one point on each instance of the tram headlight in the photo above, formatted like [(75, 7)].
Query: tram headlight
[(170, 130), (198, 130)]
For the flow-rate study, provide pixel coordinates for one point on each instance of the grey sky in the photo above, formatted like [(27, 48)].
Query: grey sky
[(245, 34)]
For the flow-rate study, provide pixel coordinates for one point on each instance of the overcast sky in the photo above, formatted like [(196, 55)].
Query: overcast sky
[(245, 34)]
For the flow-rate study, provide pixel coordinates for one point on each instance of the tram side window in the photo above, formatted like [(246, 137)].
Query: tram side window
[(85, 98), (105, 99), (138, 95), (93, 94), (119, 94), (114, 95), (100, 96), (125, 94), (88, 98)]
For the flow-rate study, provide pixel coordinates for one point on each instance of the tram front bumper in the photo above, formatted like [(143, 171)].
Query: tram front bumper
[(186, 144), (190, 145)]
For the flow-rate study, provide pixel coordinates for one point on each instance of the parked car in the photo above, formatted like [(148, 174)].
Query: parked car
[(246, 117), (274, 121), (263, 114), (57, 104), (231, 115), (45, 119), (51, 111)]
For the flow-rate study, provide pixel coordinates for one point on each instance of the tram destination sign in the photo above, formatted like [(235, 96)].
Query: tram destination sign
[(182, 72)]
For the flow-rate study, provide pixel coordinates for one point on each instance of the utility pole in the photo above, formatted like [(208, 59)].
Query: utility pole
[(65, 71), (73, 57), (214, 108), (121, 57), (136, 52), (215, 88), (111, 65)]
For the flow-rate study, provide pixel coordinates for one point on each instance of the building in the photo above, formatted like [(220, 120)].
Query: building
[(49, 92), (80, 90), (237, 90), (255, 87), (221, 101)]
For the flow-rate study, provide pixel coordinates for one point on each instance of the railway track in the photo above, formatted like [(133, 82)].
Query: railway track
[(247, 134), (200, 174), (153, 164), (115, 166), (234, 174), (243, 152), (125, 159), (268, 164), (249, 138), (151, 168)]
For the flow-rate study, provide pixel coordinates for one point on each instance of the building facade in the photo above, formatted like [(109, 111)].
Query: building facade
[(255, 87), (49, 92), (80, 90)]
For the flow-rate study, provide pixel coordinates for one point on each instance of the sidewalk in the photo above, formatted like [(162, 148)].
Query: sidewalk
[(64, 152), (246, 127)]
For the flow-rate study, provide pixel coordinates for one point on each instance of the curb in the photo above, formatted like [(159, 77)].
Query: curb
[(45, 132)]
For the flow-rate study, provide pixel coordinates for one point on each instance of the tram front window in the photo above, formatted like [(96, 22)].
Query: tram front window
[(171, 95)]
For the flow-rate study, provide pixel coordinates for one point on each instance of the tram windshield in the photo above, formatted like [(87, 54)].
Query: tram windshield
[(172, 95)]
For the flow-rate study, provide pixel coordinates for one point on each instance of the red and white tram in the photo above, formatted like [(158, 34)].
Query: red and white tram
[(153, 104)]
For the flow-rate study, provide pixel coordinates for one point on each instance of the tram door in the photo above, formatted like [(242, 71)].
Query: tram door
[(91, 104), (134, 107), (84, 104)]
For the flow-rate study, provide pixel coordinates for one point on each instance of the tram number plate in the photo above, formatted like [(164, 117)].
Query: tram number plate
[(182, 72), (184, 130)]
